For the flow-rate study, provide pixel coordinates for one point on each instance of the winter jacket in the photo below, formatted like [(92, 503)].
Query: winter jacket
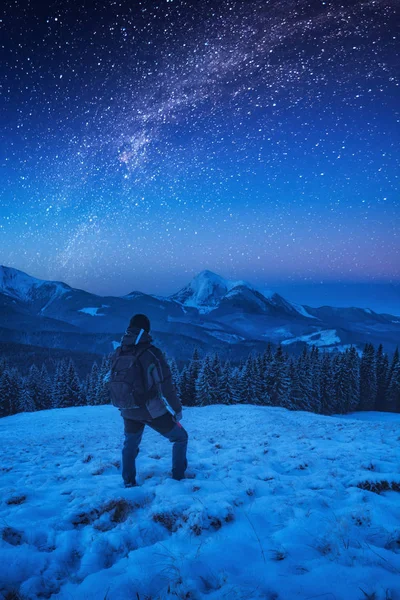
[(155, 407)]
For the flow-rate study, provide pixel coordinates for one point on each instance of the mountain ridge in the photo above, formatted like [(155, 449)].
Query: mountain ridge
[(210, 310)]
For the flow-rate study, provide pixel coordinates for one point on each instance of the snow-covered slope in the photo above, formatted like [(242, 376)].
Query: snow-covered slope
[(279, 508), (21, 286)]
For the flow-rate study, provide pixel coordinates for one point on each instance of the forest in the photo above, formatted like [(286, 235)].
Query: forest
[(318, 382)]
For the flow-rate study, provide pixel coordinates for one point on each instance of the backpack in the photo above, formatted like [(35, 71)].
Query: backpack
[(130, 385)]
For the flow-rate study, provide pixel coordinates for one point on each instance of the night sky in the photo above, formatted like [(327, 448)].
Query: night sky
[(142, 142)]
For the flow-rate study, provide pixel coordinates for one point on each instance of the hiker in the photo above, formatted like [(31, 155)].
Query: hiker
[(141, 387)]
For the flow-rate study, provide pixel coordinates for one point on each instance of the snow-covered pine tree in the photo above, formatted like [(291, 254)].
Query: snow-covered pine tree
[(315, 380), (267, 357), (327, 391), (236, 385), (103, 395), (279, 377), (260, 388), (393, 365), (8, 396), (304, 371), (33, 388), (226, 392), (248, 389), (92, 385), (368, 378), (184, 385), (46, 388), (175, 376), (393, 391), (215, 378), (382, 369), (204, 395), (341, 385), (4, 366), (25, 402), (189, 382), (75, 397), (294, 400), (353, 369), (60, 386)]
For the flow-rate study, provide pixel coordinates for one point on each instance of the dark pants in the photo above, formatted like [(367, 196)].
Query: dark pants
[(165, 425)]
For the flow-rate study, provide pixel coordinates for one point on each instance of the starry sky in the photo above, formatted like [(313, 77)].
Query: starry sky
[(145, 141)]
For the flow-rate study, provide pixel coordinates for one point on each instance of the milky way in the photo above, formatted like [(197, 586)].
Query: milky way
[(146, 141)]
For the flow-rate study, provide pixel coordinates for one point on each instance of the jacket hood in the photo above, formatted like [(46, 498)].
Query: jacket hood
[(131, 335)]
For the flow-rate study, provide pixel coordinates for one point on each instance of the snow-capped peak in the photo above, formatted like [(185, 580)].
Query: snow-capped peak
[(21, 286), (206, 290)]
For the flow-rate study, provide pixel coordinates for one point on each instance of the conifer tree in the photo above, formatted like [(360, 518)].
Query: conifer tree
[(191, 378), (74, 387), (8, 399), (46, 388), (33, 387), (215, 378), (60, 386), (382, 368), (184, 385), (353, 370), (92, 385), (226, 391), (248, 390), (315, 380), (393, 391), (304, 371), (102, 394), (175, 376), (392, 369), (236, 385), (368, 386), (327, 391), (279, 379), (294, 400), (204, 395)]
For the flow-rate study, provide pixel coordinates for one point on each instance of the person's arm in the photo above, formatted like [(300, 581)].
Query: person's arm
[(167, 385)]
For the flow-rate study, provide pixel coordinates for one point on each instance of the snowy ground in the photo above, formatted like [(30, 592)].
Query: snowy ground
[(274, 511)]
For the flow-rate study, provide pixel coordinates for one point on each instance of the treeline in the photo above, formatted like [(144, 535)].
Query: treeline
[(315, 381), (39, 391)]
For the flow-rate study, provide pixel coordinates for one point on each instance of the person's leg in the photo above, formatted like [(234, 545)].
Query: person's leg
[(133, 435), (178, 436)]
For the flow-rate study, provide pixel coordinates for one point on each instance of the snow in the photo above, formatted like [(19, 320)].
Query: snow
[(278, 332), (93, 311), (273, 512), (116, 344), (300, 309), (206, 290), (230, 338), (325, 337), (21, 286), (373, 416)]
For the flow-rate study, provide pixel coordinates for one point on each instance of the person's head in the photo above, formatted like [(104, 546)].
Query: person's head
[(140, 321)]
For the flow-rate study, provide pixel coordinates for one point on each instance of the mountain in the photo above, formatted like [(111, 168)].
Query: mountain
[(213, 313), (206, 291), (209, 292)]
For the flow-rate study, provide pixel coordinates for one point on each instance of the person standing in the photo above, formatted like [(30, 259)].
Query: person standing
[(139, 365)]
